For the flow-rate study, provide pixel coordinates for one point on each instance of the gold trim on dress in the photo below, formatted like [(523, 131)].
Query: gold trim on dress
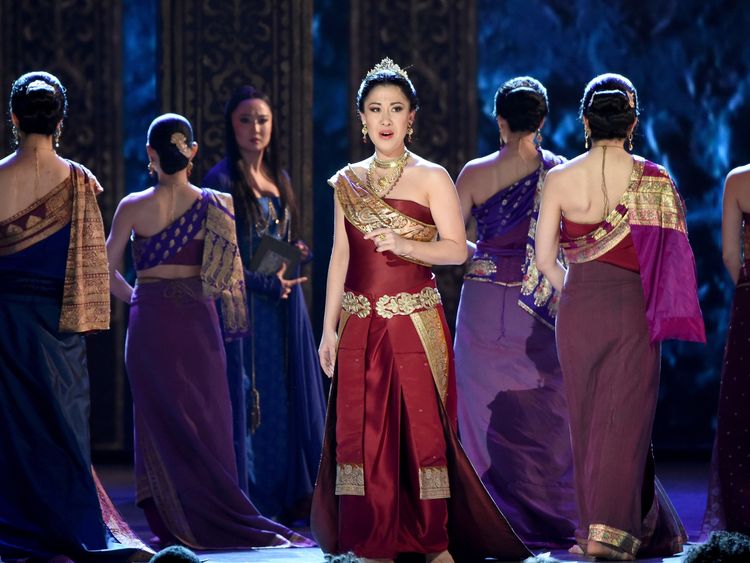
[(434, 483), (56, 209), (405, 303), (367, 212), (350, 479), (429, 327), (614, 537), (388, 306), (355, 304)]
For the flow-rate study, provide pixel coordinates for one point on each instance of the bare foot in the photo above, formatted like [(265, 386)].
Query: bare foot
[(441, 557), (576, 549), (603, 551)]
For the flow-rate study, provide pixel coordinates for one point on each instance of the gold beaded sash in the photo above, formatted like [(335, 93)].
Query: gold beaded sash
[(388, 306)]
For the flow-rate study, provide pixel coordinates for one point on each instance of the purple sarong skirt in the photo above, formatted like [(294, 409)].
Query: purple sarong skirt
[(184, 457), (512, 414)]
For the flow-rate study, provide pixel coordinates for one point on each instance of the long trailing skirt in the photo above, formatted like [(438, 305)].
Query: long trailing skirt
[(512, 414), (51, 502), (385, 403), (611, 373), (728, 505), (186, 473)]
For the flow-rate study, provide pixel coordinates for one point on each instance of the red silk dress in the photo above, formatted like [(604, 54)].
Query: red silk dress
[(393, 478)]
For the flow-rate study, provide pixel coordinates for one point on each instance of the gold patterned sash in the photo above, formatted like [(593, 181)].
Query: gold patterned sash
[(614, 228), (367, 212), (221, 271), (85, 303)]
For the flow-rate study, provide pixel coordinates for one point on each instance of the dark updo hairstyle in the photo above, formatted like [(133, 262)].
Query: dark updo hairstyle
[(387, 73), (39, 102), (522, 102), (610, 103), (171, 136), (242, 192)]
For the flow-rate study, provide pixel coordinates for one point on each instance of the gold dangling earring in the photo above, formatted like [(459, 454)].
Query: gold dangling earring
[(189, 168), (409, 133), (150, 168), (56, 136), (586, 138), (630, 141), (14, 129), (538, 138), (364, 133)]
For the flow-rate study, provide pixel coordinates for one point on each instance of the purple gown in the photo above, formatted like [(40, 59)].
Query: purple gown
[(511, 406)]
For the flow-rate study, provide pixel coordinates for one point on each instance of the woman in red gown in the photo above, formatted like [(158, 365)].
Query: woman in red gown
[(393, 478)]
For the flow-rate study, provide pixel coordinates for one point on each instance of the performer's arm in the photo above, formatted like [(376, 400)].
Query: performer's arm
[(334, 291), (117, 241), (464, 186), (731, 222), (450, 248), (548, 232)]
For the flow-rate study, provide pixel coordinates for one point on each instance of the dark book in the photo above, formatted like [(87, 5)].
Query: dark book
[(272, 253)]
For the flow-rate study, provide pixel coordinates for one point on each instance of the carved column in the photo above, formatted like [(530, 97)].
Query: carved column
[(435, 41), (80, 42)]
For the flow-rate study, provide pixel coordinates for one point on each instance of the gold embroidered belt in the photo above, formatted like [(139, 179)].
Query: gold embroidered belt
[(388, 306)]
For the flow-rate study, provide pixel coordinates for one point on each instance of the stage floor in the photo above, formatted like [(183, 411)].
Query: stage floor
[(686, 484)]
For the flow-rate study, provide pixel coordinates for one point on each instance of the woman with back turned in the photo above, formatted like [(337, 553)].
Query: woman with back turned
[(630, 284)]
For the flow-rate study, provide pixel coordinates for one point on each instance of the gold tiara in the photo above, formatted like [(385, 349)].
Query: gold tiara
[(387, 65)]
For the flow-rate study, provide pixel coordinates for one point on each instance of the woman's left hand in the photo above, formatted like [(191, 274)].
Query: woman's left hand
[(387, 240), (304, 250)]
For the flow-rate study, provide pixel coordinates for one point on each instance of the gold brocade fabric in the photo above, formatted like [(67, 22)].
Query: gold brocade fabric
[(367, 212), (85, 302), (430, 329), (617, 538), (654, 201), (222, 274), (350, 479), (534, 285), (434, 483)]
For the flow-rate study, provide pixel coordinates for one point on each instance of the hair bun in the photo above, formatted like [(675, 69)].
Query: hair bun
[(609, 102), (522, 102)]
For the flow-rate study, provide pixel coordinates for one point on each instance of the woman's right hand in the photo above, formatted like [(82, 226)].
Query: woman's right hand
[(287, 285), (327, 352)]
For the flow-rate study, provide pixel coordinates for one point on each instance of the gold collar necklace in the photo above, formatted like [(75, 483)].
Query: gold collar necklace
[(400, 161)]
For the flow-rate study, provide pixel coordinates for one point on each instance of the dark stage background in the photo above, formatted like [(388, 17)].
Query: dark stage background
[(124, 62)]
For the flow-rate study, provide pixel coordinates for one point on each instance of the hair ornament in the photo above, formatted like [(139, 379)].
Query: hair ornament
[(387, 65), (39, 85), (180, 141)]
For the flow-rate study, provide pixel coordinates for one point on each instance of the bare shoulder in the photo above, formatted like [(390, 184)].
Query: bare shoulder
[(430, 172), (137, 200), (477, 169), (738, 178)]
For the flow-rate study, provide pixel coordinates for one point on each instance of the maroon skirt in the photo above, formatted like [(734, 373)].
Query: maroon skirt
[(728, 506), (611, 374)]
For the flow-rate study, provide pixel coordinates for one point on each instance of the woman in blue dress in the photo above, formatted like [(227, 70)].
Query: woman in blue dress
[(274, 374)]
